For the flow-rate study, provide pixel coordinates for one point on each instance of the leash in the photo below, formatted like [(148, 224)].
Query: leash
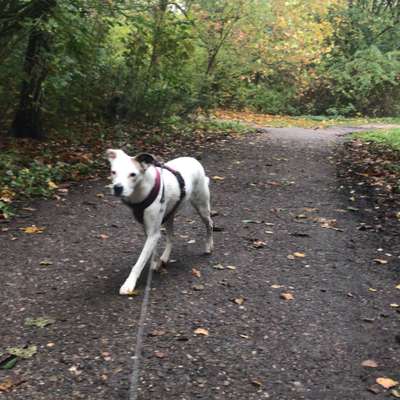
[(134, 378)]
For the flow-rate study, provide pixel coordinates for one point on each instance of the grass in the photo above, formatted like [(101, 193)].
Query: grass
[(386, 137)]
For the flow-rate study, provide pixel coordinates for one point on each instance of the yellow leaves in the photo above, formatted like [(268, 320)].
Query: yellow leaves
[(296, 254), (387, 383), (398, 286), (240, 300), (380, 261), (267, 120), (218, 178), (33, 229), (201, 332), (287, 296), (134, 293), (9, 384), (196, 273), (51, 185), (7, 195)]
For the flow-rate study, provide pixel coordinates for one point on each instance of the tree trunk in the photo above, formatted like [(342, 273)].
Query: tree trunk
[(27, 121)]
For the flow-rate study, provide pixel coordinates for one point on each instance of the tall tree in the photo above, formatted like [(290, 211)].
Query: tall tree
[(27, 120)]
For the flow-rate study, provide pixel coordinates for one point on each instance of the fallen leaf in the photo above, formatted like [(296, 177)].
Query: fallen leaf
[(196, 273), (33, 229), (40, 322), (198, 287), (240, 300), (45, 262), (276, 286), (395, 393), (231, 267), (159, 354), (394, 305), (387, 383), (51, 184), (157, 332), (380, 261), (191, 241), (218, 178), (291, 257), (369, 364), (201, 331), (372, 289), (287, 296), (375, 389), (398, 286), (218, 266), (23, 352), (256, 382), (103, 236), (6, 386), (134, 293), (257, 244), (299, 255), (8, 361), (251, 221), (353, 208), (9, 384), (328, 223)]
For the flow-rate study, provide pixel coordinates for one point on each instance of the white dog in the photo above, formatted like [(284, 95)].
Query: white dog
[(155, 192)]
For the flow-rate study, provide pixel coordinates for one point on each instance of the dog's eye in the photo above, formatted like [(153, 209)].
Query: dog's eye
[(112, 172), (132, 175)]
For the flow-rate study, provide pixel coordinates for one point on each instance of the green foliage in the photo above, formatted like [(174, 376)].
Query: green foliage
[(150, 60), (387, 137), (361, 73)]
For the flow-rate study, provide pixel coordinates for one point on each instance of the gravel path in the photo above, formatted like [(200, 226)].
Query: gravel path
[(287, 228)]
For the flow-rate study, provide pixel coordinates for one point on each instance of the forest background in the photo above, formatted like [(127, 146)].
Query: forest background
[(70, 70)]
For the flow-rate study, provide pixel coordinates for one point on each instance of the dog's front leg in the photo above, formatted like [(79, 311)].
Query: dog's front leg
[(148, 249)]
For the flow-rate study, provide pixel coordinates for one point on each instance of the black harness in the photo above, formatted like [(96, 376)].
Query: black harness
[(139, 208)]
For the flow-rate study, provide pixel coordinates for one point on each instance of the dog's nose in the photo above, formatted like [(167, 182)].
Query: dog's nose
[(118, 189)]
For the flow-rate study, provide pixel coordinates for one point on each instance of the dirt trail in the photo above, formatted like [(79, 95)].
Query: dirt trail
[(279, 196)]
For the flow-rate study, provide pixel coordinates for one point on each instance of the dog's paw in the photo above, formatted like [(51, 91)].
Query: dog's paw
[(157, 265), (209, 248), (127, 288)]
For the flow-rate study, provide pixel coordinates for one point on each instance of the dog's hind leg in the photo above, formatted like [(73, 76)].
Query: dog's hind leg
[(201, 203), (148, 249)]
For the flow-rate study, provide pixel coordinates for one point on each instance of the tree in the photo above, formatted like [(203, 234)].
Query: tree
[(27, 121)]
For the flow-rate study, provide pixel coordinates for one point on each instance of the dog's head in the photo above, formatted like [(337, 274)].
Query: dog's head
[(126, 171)]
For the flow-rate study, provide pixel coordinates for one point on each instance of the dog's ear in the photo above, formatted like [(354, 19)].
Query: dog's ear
[(111, 154), (145, 160)]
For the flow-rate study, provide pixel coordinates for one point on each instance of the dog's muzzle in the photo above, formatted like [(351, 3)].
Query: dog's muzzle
[(118, 189)]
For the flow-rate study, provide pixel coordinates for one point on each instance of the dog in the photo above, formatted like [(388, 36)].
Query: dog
[(155, 192)]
